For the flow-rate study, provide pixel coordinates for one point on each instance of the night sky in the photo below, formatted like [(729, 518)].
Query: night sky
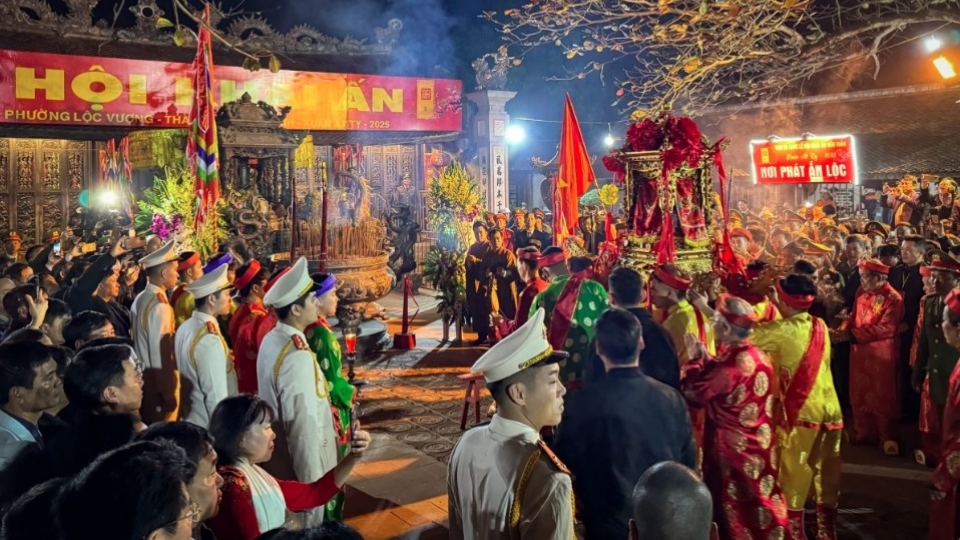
[(442, 37)]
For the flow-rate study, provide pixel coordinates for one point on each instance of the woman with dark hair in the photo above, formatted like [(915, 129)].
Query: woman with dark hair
[(254, 501)]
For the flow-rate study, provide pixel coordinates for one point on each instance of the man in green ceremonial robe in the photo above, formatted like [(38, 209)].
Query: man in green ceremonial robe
[(573, 303)]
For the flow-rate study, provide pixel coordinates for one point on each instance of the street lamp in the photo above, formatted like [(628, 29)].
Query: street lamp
[(609, 141), (516, 134), (945, 67), (932, 44)]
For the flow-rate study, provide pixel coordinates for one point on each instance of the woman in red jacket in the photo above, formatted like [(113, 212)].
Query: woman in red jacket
[(255, 502)]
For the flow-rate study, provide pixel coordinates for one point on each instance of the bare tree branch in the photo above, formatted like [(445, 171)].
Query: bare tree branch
[(699, 53)]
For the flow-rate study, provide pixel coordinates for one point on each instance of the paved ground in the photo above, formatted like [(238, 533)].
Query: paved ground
[(413, 404)]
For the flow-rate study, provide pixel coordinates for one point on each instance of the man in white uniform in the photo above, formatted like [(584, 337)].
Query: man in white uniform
[(153, 329), (206, 371), (503, 481), (290, 380)]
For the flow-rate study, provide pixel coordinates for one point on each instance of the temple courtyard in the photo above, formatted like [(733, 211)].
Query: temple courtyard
[(413, 402)]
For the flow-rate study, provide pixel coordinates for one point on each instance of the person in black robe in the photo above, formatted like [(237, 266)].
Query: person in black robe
[(499, 285), (658, 359), (906, 279), (855, 248), (475, 275), (603, 440)]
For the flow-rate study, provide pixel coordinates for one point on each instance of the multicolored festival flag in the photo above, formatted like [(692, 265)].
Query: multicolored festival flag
[(574, 177), (116, 174), (202, 149)]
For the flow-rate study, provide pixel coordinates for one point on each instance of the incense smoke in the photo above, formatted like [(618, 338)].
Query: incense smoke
[(425, 42)]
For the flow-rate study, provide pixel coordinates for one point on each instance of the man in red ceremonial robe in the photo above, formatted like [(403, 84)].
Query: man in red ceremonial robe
[(528, 266), (250, 283), (944, 509), (735, 389), (875, 343)]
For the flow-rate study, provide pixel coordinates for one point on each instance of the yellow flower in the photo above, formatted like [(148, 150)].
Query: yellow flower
[(609, 194)]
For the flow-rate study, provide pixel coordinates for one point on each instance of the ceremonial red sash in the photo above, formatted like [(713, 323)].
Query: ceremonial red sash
[(701, 328), (563, 312), (799, 387), (769, 313)]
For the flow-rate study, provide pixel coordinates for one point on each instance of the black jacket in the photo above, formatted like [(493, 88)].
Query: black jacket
[(612, 431), (850, 284), (909, 283), (79, 296), (658, 358)]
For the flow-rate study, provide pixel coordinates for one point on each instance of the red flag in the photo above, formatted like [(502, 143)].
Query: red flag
[(574, 178), (202, 145)]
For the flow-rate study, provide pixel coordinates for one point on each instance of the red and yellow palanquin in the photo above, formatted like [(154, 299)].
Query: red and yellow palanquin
[(810, 422), (874, 356), (739, 465), (945, 508), (666, 170)]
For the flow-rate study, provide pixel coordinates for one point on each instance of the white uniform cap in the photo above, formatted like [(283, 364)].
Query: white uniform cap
[(290, 286), (163, 255), (210, 283), (526, 347)]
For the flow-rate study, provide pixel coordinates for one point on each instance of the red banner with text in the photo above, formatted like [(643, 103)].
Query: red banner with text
[(40, 88), (803, 161)]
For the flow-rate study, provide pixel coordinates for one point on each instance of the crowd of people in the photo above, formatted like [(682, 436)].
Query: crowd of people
[(147, 395), (833, 317)]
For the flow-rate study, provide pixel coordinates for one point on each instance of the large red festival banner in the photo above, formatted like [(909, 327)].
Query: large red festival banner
[(37, 88), (805, 160)]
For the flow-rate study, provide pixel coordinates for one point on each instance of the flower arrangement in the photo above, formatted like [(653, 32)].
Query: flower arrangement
[(454, 203), (165, 227), (168, 209)]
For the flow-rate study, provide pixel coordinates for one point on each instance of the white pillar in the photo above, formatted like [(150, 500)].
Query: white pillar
[(489, 129)]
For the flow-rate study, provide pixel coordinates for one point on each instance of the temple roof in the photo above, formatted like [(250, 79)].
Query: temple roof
[(898, 130), (34, 26)]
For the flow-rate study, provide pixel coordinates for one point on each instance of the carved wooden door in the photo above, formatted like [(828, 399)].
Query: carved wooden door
[(40, 184)]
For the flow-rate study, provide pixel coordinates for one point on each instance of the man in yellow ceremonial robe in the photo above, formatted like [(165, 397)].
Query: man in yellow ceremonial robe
[(668, 293), (809, 420)]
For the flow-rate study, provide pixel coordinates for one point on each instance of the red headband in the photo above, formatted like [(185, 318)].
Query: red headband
[(275, 278), (529, 255), (670, 280), (952, 301), (188, 262), (554, 258), (244, 279), (870, 265), (795, 301), (743, 321)]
